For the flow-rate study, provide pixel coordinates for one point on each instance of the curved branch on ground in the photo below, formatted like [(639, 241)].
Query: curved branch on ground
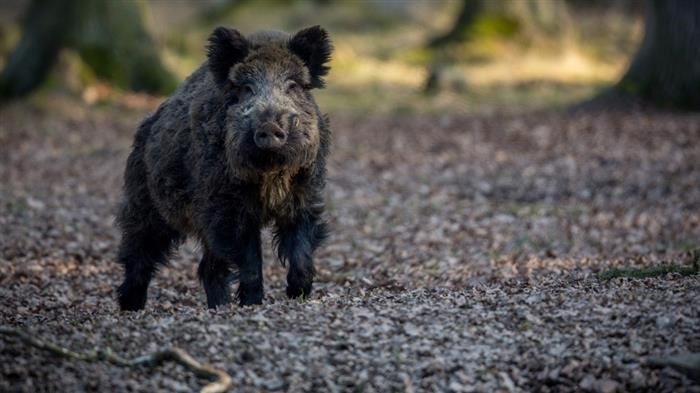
[(221, 383)]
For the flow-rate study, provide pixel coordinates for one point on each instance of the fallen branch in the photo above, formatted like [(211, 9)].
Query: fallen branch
[(687, 363), (222, 381)]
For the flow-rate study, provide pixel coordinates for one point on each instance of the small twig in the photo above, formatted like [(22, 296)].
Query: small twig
[(222, 383), (390, 283)]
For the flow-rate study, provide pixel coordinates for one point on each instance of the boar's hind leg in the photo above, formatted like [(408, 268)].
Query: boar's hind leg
[(296, 244), (215, 275), (146, 243), (147, 239)]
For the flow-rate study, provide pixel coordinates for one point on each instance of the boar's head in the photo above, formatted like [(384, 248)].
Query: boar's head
[(265, 80)]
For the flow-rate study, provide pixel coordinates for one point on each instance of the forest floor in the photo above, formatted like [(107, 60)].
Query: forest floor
[(466, 256)]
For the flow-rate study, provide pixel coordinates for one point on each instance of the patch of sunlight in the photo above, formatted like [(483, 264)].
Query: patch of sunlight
[(353, 69), (365, 83), (181, 65), (571, 66)]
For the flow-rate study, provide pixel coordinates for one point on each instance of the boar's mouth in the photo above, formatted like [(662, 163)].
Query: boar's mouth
[(267, 160), (249, 162)]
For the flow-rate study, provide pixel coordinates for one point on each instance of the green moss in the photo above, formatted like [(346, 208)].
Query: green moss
[(488, 26), (627, 86), (654, 271)]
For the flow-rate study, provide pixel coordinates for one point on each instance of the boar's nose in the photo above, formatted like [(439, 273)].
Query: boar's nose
[(270, 136)]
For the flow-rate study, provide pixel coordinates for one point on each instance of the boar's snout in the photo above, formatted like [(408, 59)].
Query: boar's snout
[(270, 136)]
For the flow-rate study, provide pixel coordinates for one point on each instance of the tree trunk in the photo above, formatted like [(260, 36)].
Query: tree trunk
[(108, 35), (113, 41), (666, 67), (469, 11), (533, 18), (43, 36)]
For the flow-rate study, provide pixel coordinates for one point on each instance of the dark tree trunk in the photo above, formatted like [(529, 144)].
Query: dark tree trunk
[(108, 35), (530, 17), (666, 67), (43, 36), (112, 39), (469, 11)]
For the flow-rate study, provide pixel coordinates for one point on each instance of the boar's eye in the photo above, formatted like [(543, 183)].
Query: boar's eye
[(231, 93), (239, 93), (247, 91), (292, 87), (242, 93), (232, 99)]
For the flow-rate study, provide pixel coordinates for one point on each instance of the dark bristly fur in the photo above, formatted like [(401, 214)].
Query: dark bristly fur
[(241, 144)]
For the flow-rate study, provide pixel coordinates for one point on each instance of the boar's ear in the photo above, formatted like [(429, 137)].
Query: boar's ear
[(225, 48), (314, 47)]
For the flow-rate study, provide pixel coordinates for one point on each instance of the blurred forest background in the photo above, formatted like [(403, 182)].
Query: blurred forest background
[(391, 56)]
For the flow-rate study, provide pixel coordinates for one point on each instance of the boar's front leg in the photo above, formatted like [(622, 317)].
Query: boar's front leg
[(233, 240), (215, 274), (250, 284), (297, 241)]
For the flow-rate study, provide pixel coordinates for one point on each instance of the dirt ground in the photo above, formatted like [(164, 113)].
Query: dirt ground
[(464, 257)]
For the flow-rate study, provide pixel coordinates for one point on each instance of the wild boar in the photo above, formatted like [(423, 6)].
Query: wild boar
[(241, 144)]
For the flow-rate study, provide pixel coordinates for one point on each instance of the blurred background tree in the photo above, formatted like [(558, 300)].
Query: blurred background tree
[(532, 18), (529, 22), (109, 37), (666, 67)]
